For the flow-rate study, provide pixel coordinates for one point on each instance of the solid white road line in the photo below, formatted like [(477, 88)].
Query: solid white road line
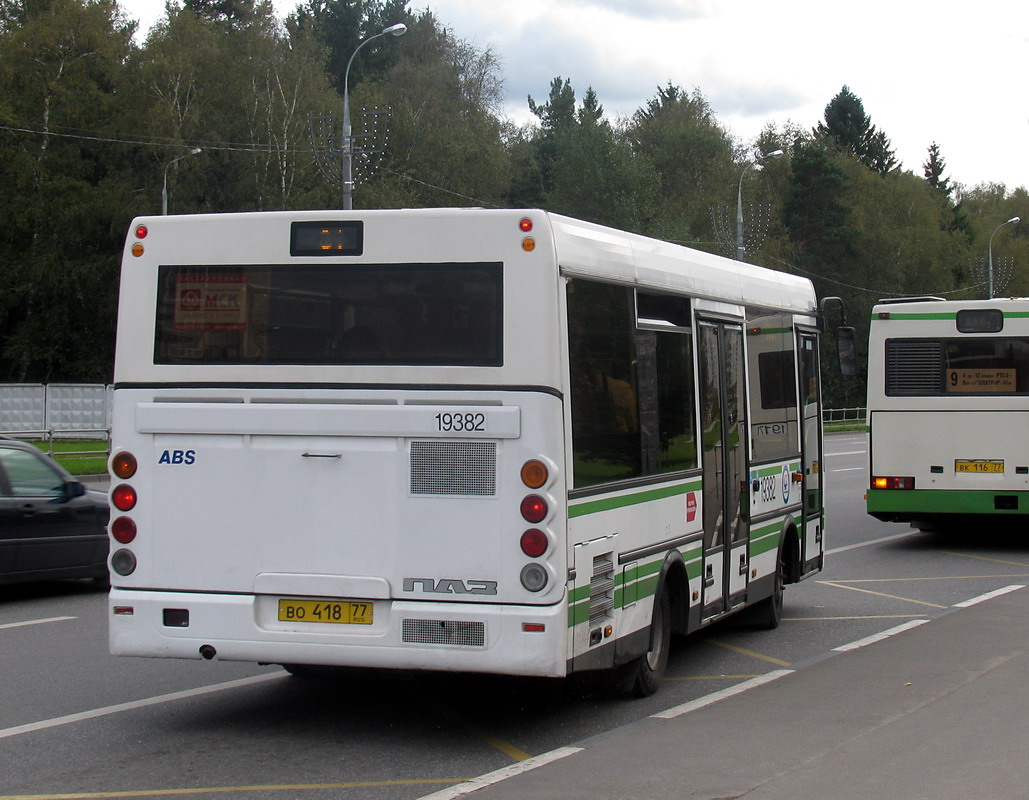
[(34, 622), (878, 637), (989, 596), (131, 706)]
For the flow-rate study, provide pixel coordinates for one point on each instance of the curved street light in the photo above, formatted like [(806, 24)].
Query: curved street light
[(739, 199), (989, 295), (348, 143), (164, 188)]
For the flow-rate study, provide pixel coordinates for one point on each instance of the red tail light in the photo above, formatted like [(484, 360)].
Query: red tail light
[(123, 497), (123, 529), (534, 508), (892, 482), (534, 543)]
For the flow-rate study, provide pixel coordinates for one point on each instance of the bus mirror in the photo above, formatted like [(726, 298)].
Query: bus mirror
[(847, 344)]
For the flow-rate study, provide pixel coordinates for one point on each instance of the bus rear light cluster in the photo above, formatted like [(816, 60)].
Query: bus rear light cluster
[(123, 498), (892, 482), (534, 542)]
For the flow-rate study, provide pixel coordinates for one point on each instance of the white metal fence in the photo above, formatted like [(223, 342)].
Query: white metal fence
[(55, 410), (844, 419)]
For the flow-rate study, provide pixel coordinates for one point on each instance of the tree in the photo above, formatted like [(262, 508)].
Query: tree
[(933, 170), (341, 25), (583, 165), (694, 157), (60, 75), (850, 129), (446, 144)]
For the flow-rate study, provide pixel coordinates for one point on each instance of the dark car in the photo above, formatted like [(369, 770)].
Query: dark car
[(51, 526)]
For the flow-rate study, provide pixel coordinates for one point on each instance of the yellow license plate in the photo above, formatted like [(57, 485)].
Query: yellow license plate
[(338, 612), (978, 466)]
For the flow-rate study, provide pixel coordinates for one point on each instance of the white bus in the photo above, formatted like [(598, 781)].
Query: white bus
[(473, 440), (948, 402)]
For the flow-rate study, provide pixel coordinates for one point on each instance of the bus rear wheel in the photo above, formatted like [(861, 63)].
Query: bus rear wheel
[(642, 676), (768, 612)]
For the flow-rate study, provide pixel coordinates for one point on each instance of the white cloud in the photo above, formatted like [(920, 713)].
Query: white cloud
[(926, 72)]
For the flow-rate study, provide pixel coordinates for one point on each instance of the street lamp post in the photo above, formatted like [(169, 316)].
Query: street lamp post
[(739, 200), (164, 187), (989, 295), (348, 143)]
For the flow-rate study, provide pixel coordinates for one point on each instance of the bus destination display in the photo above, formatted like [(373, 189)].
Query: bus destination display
[(326, 238)]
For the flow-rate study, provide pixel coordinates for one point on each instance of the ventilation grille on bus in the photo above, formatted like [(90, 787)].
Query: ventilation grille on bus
[(454, 468), (602, 588), (914, 367), (444, 631)]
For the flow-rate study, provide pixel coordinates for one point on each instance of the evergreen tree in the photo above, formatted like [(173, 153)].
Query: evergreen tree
[(850, 129), (341, 26), (933, 170)]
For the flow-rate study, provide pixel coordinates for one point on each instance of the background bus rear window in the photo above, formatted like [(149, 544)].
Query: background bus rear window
[(411, 314)]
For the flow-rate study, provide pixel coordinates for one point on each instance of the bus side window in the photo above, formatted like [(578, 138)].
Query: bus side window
[(604, 396)]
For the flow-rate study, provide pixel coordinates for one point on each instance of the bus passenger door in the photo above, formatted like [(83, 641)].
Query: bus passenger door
[(722, 413), (811, 454)]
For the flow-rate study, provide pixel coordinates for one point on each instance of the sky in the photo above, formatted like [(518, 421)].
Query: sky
[(941, 71)]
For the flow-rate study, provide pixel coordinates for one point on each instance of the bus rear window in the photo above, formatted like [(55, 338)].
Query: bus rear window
[(980, 365), (410, 314)]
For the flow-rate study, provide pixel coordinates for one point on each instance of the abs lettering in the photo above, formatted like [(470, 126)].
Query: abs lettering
[(186, 457)]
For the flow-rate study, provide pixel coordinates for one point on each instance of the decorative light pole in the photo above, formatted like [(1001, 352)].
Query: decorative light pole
[(989, 295), (348, 146), (164, 188), (739, 200)]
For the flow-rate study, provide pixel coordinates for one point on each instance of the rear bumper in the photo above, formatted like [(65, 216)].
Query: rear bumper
[(906, 506), (464, 637)]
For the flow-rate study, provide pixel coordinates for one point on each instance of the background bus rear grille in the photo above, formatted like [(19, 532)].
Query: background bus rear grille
[(914, 367), (444, 631), (454, 468)]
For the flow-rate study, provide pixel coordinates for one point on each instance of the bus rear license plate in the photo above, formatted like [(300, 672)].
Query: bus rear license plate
[(979, 466), (338, 612)]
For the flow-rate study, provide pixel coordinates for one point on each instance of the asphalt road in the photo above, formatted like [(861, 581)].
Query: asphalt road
[(78, 723)]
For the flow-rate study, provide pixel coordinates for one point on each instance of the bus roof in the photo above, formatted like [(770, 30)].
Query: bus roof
[(587, 250)]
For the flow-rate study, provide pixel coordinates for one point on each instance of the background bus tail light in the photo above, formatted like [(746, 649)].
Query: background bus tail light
[(892, 482)]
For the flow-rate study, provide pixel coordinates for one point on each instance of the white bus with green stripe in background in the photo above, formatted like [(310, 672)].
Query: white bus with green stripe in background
[(948, 396), (487, 441)]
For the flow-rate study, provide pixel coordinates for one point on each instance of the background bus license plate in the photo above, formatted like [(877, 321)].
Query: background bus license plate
[(339, 612), (978, 466)]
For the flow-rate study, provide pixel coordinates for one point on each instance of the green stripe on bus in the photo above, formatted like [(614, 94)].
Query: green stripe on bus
[(938, 315), (624, 501), (765, 539), (944, 501), (764, 472)]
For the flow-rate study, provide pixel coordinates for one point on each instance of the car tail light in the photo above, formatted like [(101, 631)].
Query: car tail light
[(892, 482), (123, 529), (124, 497)]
